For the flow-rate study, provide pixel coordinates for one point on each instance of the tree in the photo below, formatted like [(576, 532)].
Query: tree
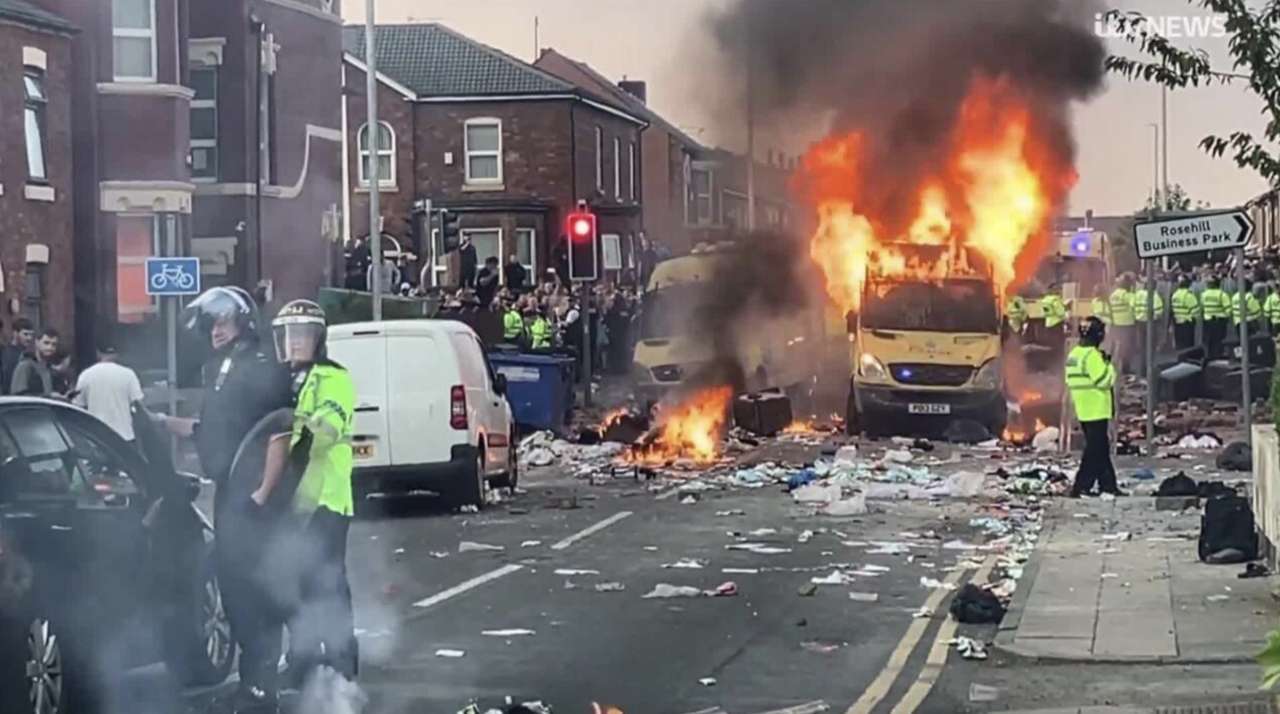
[(1174, 199), (1253, 43)]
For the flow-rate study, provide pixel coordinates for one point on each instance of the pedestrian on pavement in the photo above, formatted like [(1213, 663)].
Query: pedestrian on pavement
[(321, 506), (241, 386), (467, 262), (108, 390), (1122, 321), (1184, 313), (515, 273), (1090, 378), (1216, 308), (21, 343), (487, 282), (34, 374)]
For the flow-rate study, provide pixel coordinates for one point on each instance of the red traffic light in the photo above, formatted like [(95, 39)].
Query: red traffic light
[(582, 226)]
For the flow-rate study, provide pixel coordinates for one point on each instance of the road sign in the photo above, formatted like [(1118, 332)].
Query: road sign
[(1193, 234), (173, 276)]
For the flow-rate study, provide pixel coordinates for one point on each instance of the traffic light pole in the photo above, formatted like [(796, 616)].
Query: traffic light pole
[(588, 341), (374, 172)]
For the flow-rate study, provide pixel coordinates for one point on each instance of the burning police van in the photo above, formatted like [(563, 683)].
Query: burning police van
[(925, 343)]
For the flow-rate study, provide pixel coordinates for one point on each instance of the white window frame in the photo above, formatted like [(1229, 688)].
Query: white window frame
[(695, 217), (134, 33), (362, 153), (533, 250), (617, 167), (502, 248), (211, 144), (39, 108), (599, 159), (631, 169), (467, 152)]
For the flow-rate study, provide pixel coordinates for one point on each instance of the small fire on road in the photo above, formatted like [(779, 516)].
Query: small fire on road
[(690, 427)]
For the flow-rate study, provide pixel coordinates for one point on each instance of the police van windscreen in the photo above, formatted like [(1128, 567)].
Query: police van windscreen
[(941, 306), (666, 312)]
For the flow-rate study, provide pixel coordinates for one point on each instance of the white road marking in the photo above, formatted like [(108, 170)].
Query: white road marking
[(590, 530), (468, 585)]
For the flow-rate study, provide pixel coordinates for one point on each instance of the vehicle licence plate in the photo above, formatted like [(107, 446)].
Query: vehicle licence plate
[(928, 408), (362, 451)]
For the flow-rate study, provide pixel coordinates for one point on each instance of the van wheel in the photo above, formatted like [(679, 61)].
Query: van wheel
[(475, 488), (852, 424), (511, 476)]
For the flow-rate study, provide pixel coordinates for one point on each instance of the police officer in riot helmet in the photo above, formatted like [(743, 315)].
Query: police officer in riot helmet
[(241, 385)]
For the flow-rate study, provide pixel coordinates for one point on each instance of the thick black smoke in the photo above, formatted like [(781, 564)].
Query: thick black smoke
[(898, 71)]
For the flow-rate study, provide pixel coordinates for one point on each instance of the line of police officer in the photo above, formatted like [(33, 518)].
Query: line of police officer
[(283, 499)]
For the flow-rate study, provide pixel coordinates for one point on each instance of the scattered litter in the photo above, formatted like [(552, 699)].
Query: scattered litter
[(901, 456), (707, 681), (1047, 439), (976, 606), (835, 578), (469, 508), (399, 551), (611, 587), (1108, 551), (922, 612), (1218, 598), (983, 693), (934, 584), (873, 568), (731, 512), (514, 632), (1118, 536), (740, 571), (530, 543), (451, 654), (970, 648), (689, 500), (821, 647), (758, 548), (576, 571), (889, 549), (807, 590), (864, 597), (816, 493), (762, 532), (1109, 576), (855, 506), (1203, 441), (685, 563), (467, 546), (666, 590), (1108, 497), (651, 548), (805, 536), (439, 554)]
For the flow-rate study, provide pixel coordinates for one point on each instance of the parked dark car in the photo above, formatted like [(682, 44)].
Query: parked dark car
[(105, 563)]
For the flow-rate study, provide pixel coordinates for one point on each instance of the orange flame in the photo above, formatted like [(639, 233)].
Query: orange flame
[(690, 428), (613, 418), (992, 195)]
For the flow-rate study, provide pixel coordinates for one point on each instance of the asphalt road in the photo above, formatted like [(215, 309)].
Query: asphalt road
[(767, 648)]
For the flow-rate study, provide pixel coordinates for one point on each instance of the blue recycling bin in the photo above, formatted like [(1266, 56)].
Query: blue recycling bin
[(539, 387)]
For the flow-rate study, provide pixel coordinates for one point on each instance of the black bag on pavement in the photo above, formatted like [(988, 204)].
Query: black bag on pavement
[(1215, 489), (1227, 524), (976, 606), (1236, 457), (1179, 484)]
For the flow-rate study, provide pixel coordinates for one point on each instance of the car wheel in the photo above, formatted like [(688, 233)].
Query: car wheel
[(511, 476), (852, 424), (198, 644), (475, 487), (42, 686)]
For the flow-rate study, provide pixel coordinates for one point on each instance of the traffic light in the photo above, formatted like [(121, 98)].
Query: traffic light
[(450, 230), (581, 229)]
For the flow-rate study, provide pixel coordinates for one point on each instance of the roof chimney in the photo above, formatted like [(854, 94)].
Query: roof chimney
[(635, 88)]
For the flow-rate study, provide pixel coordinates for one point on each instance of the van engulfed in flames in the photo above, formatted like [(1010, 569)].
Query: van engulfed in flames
[(691, 426), (992, 190)]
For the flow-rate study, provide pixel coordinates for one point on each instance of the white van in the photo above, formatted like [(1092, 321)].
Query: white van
[(431, 414)]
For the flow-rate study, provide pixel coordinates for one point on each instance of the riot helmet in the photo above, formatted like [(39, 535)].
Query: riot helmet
[(1092, 331), (299, 329), (223, 316)]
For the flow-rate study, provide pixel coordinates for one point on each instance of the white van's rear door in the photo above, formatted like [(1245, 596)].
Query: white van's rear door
[(421, 372), (364, 354)]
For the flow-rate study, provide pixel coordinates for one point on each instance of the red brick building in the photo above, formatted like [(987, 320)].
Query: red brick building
[(36, 251), (504, 144)]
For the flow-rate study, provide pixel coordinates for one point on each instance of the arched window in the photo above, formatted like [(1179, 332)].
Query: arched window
[(386, 155)]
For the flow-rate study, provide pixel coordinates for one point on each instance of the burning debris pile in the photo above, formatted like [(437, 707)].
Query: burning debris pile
[(692, 427)]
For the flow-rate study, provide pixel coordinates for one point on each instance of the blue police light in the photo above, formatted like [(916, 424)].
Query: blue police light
[(905, 373), (1080, 244)]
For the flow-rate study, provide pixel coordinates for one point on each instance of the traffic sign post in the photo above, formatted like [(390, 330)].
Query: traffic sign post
[(1198, 233), (173, 276), (169, 278)]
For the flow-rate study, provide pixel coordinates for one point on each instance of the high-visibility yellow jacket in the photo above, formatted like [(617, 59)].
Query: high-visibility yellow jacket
[(1140, 304), (512, 325), (1251, 304), (540, 334), (1214, 303), (1185, 306), (1055, 310), (1090, 378), (1122, 307), (1271, 308), (1102, 309), (1016, 311), (325, 410)]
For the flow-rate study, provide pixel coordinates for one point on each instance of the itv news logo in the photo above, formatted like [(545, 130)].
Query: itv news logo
[(1170, 27)]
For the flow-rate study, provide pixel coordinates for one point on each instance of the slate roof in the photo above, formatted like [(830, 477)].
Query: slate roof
[(28, 14), (434, 61)]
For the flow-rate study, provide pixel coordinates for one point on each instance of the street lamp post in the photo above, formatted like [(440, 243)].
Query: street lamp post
[(372, 173)]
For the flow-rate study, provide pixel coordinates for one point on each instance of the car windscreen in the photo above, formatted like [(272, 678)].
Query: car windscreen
[(942, 306), (666, 312)]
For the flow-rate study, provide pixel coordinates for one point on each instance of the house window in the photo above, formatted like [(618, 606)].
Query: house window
[(483, 146), (386, 155), (617, 167), (599, 159), (204, 123), (631, 170), (526, 251), (133, 29), (700, 185), (34, 123), (135, 242), (488, 243)]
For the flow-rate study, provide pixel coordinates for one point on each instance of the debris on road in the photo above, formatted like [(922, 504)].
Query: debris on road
[(969, 648), (864, 597), (610, 587), (983, 693), (820, 646), (467, 546), (576, 571), (667, 590), (451, 654), (513, 632), (977, 605), (707, 681), (935, 584), (686, 563)]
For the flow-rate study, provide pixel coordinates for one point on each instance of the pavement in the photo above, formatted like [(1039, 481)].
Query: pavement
[(1119, 581)]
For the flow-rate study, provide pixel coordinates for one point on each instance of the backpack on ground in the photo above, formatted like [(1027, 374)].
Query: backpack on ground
[(1226, 531)]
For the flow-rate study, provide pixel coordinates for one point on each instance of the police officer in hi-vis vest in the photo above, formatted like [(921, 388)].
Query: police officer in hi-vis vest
[(1090, 378)]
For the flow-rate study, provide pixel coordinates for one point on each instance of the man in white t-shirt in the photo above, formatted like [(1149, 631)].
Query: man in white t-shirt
[(108, 390)]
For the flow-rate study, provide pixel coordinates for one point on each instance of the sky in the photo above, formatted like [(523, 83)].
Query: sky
[(651, 40)]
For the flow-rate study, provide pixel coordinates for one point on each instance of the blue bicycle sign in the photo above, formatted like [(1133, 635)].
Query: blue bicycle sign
[(173, 276)]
